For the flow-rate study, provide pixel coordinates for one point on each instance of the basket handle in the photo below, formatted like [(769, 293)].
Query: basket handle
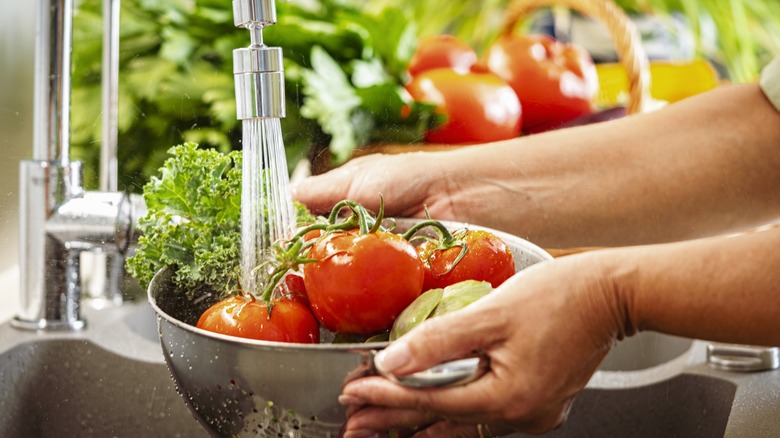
[(625, 36)]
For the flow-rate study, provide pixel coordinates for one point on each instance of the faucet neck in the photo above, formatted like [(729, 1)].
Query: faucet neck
[(51, 136)]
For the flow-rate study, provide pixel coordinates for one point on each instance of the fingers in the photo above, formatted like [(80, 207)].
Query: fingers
[(465, 430), (405, 409), (319, 193), (467, 402), (436, 341), (404, 180), (408, 422), (441, 339), (370, 399), (366, 422), (362, 180)]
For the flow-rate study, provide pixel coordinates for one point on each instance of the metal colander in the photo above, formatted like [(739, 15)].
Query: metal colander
[(243, 387)]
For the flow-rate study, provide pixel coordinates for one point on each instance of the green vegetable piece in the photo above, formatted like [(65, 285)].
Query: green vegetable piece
[(437, 302), (460, 295), (381, 337), (417, 312), (193, 222)]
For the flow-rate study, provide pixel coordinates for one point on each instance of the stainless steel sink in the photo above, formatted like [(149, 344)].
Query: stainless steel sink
[(684, 406), (106, 381), (646, 350), (111, 380), (71, 387)]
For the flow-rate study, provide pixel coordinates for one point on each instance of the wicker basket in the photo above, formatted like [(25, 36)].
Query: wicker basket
[(625, 37)]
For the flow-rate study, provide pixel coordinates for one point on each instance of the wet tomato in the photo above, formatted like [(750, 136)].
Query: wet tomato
[(488, 258), (295, 289), (361, 282), (480, 107), (442, 51), (555, 82), (245, 317)]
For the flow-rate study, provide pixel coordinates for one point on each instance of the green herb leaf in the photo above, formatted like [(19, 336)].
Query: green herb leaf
[(330, 99)]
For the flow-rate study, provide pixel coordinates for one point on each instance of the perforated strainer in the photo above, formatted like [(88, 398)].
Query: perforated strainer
[(242, 387)]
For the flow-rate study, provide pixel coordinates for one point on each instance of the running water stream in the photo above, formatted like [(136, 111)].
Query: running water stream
[(267, 213)]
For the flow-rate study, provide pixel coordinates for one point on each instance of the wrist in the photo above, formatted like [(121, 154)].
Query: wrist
[(618, 277), (623, 276)]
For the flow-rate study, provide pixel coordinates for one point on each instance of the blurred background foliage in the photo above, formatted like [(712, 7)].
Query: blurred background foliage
[(176, 80)]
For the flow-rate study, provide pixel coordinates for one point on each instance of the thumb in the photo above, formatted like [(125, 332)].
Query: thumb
[(441, 339)]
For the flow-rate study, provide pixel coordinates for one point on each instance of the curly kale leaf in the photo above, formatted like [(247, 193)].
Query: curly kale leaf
[(193, 223)]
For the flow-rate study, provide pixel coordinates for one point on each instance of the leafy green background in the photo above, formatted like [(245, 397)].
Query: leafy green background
[(344, 72), (344, 69)]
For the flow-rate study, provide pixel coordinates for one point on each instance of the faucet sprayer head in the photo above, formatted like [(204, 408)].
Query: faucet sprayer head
[(257, 69), (259, 79)]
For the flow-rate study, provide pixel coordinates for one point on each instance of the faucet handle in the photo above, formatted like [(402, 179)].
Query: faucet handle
[(733, 357)]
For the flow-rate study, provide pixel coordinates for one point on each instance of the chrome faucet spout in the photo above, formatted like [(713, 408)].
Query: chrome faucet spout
[(51, 122)]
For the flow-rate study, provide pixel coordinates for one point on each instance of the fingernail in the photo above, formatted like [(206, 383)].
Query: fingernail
[(360, 433), (393, 357), (345, 399)]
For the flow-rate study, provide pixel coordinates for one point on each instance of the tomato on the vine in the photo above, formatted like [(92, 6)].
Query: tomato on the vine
[(555, 82), (487, 258), (361, 282), (295, 289), (246, 317), (480, 107), (442, 51)]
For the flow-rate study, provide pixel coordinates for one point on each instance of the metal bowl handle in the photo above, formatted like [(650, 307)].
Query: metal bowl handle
[(453, 373)]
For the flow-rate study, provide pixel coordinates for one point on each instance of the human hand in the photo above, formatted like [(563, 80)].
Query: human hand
[(407, 182), (545, 331), (472, 184)]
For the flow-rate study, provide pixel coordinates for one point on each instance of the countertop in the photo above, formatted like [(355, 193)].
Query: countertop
[(9, 293)]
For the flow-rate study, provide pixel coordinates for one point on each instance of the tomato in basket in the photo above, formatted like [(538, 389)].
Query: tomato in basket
[(479, 107), (442, 51), (555, 82)]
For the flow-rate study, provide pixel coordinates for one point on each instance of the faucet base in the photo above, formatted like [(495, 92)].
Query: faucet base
[(48, 325)]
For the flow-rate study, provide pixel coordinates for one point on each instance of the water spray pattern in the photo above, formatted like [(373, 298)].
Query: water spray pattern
[(267, 213)]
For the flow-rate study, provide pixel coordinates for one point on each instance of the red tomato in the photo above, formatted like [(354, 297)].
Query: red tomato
[(442, 51), (488, 258), (245, 317), (361, 282), (480, 107), (555, 82), (295, 289)]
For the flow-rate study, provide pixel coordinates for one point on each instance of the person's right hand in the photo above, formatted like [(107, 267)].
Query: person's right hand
[(545, 331)]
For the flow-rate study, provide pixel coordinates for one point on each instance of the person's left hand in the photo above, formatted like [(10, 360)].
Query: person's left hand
[(545, 331)]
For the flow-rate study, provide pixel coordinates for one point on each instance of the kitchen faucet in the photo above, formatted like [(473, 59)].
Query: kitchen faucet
[(59, 219)]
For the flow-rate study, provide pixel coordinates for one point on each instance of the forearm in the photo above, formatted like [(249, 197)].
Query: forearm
[(704, 166), (722, 289)]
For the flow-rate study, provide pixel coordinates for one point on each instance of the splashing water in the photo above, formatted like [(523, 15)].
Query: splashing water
[(267, 213)]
